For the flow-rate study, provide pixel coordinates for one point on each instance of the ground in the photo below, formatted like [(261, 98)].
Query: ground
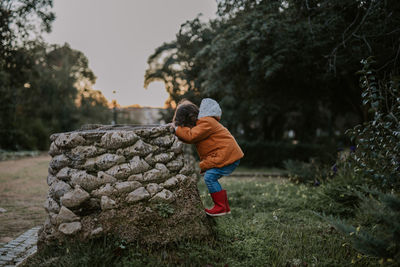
[(272, 224), (23, 189)]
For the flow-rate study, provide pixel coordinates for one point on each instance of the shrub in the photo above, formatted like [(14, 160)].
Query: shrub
[(309, 173), (378, 230), (273, 154), (378, 140), (164, 210), (340, 196)]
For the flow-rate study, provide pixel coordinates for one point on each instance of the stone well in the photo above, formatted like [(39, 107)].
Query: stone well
[(134, 183)]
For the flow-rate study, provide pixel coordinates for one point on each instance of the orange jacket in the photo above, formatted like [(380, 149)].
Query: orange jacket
[(214, 143)]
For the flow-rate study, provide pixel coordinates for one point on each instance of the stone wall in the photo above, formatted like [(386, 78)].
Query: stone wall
[(134, 183)]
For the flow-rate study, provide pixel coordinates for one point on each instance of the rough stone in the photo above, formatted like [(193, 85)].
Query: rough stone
[(74, 198), (138, 165), (54, 150), (66, 215), (128, 186), (144, 133), (103, 162), (171, 182), (175, 165), (163, 196), (70, 228), (69, 140), (53, 218), (177, 147), (51, 179), (186, 170), (160, 173), (136, 177), (58, 189), (159, 158), (51, 171), (181, 177), (164, 141), (93, 204), (122, 171), (105, 190), (65, 174), (105, 178), (140, 148), (107, 203), (59, 162), (81, 153), (156, 132), (137, 195), (96, 231), (153, 188), (116, 139), (155, 175), (86, 181), (93, 137), (50, 205)]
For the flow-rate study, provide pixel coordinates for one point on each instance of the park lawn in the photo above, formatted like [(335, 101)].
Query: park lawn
[(272, 224), (264, 170), (23, 189)]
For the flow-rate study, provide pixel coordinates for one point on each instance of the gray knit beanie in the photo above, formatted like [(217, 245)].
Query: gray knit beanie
[(209, 108)]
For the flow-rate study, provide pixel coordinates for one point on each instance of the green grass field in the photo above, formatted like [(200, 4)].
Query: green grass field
[(272, 224)]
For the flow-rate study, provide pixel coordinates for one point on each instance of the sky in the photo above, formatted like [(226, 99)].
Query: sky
[(118, 36)]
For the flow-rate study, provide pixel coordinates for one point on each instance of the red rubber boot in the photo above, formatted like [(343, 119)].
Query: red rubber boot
[(219, 204), (227, 208)]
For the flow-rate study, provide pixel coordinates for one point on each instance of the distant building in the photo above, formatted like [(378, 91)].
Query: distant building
[(139, 115)]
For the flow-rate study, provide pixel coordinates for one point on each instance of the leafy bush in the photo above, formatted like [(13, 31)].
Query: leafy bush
[(375, 228), (378, 140), (273, 154), (164, 210), (378, 230), (340, 196), (308, 173)]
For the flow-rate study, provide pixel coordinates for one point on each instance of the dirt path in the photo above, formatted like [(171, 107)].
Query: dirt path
[(23, 189)]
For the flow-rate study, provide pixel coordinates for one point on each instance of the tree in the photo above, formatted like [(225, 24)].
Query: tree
[(280, 65), (22, 21), (43, 88), (52, 92)]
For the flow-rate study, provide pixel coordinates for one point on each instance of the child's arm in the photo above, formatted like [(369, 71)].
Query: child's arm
[(193, 135)]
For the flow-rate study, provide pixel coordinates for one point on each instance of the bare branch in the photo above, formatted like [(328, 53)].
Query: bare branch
[(365, 41), (397, 56), (348, 27), (309, 23), (343, 43)]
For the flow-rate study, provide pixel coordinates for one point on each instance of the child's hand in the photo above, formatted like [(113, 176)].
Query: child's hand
[(172, 126)]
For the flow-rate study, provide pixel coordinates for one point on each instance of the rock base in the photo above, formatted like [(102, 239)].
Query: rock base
[(133, 183)]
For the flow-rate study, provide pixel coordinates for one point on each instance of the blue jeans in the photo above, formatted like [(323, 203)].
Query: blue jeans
[(211, 176)]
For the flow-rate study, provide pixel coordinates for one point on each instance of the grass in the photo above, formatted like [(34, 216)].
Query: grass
[(270, 170), (9, 155), (272, 224), (23, 189)]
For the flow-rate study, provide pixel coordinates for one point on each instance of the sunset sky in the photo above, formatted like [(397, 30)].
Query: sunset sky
[(118, 36)]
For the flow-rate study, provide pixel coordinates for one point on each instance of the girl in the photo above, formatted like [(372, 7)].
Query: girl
[(219, 153)]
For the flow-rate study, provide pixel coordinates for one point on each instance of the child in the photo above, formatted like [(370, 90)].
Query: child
[(219, 153)]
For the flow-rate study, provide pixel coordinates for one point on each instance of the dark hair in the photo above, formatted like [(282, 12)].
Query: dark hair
[(186, 115)]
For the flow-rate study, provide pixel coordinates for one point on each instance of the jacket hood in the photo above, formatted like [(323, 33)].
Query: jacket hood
[(209, 108)]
